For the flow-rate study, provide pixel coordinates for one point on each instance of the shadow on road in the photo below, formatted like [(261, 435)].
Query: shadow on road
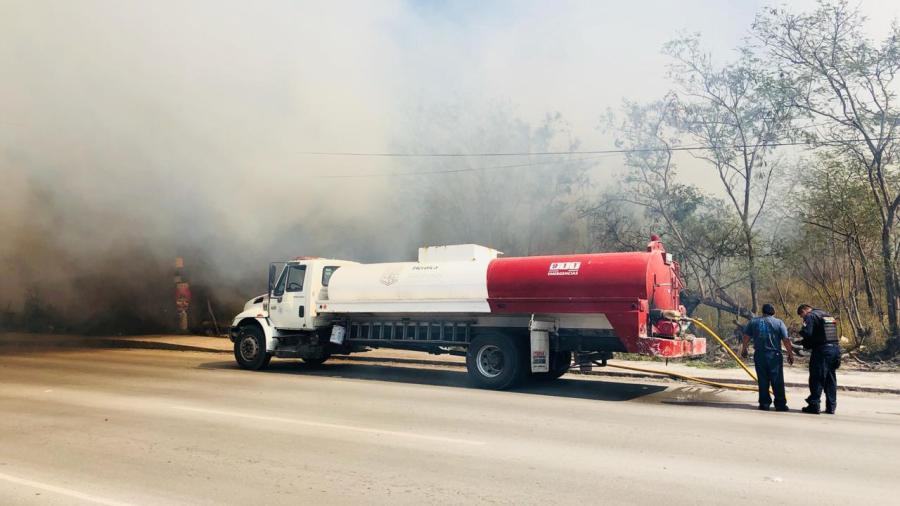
[(573, 388), (16, 343)]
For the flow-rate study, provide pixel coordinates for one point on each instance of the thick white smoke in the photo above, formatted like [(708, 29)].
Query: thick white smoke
[(132, 132)]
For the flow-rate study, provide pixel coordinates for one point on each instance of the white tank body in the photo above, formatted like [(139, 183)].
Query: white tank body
[(408, 287)]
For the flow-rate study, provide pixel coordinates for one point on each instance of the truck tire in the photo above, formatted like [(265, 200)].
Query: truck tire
[(250, 349), (316, 362), (494, 362), (560, 361)]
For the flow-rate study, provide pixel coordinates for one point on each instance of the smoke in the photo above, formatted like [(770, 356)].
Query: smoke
[(132, 133)]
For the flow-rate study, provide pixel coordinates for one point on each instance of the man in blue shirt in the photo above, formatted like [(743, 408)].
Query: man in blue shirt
[(768, 334)]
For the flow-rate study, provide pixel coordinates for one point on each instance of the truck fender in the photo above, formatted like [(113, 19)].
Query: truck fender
[(262, 323)]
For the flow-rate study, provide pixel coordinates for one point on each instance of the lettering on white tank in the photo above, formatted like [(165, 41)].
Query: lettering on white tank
[(390, 276), (564, 269)]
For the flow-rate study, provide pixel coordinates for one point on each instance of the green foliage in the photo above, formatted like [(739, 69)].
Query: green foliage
[(736, 112), (837, 75), (836, 198)]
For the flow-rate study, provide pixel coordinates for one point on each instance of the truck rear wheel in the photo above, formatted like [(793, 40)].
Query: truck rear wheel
[(494, 362), (250, 349)]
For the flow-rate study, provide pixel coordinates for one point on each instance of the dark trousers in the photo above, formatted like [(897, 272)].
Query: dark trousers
[(823, 362), (770, 373)]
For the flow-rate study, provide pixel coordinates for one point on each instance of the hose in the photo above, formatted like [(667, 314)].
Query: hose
[(727, 348), (685, 377), (700, 380)]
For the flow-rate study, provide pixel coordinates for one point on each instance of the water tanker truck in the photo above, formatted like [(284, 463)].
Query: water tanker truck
[(512, 318)]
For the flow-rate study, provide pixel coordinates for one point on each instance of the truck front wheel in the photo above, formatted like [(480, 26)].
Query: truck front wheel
[(494, 362), (250, 349)]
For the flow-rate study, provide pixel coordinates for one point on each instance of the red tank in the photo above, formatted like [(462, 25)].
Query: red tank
[(624, 287)]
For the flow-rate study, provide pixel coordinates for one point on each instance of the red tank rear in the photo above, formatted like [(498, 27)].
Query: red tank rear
[(624, 287)]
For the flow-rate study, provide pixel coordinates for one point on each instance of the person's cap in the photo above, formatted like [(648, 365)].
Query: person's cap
[(768, 309)]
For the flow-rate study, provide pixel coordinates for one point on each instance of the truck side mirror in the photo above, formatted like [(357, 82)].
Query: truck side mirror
[(271, 278)]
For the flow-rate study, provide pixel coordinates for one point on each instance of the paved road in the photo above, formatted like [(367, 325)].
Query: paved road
[(166, 427)]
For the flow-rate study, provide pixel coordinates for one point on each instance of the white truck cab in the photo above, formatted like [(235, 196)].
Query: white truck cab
[(286, 317)]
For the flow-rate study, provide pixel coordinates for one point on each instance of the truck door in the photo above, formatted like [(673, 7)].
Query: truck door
[(288, 306)]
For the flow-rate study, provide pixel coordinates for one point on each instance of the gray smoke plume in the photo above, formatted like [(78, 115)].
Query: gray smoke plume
[(134, 133)]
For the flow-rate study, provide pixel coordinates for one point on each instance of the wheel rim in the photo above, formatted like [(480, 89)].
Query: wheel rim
[(490, 361), (249, 348)]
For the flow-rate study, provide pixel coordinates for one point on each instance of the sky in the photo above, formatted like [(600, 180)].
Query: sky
[(145, 123), (575, 58), (267, 82)]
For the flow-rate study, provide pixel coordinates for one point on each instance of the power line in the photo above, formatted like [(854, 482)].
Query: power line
[(597, 155), (589, 152), (454, 171)]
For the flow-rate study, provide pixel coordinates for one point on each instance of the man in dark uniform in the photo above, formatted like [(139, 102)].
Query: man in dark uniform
[(820, 335), (768, 334)]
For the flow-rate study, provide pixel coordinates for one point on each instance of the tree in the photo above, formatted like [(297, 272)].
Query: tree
[(836, 199), (840, 77), (737, 112), (838, 236), (691, 223)]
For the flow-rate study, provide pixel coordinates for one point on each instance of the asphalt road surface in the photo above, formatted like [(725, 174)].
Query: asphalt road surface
[(166, 427)]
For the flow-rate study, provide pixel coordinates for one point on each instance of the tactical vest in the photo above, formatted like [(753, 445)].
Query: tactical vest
[(825, 329)]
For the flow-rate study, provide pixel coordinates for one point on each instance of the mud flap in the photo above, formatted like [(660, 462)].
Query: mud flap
[(337, 335), (540, 344)]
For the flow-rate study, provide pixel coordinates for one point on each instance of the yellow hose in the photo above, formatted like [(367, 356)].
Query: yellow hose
[(727, 348), (700, 380), (685, 377)]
